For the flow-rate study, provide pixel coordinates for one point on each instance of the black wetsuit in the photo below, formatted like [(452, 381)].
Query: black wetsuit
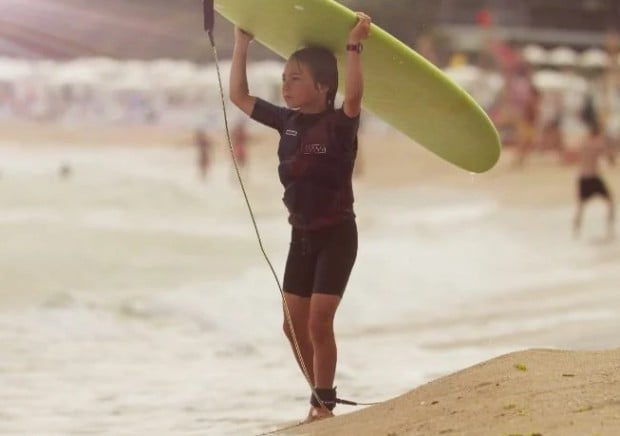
[(317, 153)]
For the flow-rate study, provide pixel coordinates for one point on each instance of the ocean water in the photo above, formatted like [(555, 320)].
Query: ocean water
[(134, 299)]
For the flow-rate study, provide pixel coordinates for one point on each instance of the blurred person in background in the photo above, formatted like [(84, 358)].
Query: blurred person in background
[(528, 132), (203, 145), (590, 184), (516, 112), (551, 137), (65, 171)]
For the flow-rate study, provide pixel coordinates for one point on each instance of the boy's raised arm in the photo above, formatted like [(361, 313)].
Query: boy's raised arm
[(238, 88), (354, 82)]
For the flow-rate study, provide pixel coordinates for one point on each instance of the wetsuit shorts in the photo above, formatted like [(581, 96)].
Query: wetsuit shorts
[(320, 261), (590, 186)]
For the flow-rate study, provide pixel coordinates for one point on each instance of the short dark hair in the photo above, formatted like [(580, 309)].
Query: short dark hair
[(323, 67)]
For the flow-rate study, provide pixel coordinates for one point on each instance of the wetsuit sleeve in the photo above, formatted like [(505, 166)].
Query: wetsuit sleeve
[(269, 114), (347, 127)]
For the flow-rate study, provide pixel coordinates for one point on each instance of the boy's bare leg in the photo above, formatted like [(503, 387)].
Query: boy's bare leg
[(321, 325), (299, 308)]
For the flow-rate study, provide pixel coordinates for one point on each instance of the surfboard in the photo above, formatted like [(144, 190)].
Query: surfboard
[(400, 86)]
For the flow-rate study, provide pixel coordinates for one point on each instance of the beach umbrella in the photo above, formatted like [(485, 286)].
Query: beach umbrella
[(206, 78), (74, 74), (576, 83), (172, 75), (549, 80), (131, 80), (267, 70), (266, 73), (463, 75), (563, 57), (171, 67), (574, 95), (594, 58), (534, 54), (102, 67), (14, 69)]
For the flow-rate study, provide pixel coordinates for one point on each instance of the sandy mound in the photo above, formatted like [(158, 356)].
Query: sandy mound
[(534, 392)]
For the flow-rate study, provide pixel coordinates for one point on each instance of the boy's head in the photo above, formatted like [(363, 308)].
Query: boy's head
[(322, 66)]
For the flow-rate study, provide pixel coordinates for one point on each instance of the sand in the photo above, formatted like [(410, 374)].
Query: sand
[(533, 392)]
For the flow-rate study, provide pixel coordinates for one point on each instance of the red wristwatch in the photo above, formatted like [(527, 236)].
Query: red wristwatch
[(355, 47)]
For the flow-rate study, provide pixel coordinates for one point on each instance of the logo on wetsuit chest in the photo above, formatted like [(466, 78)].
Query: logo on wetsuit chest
[(315, 149)]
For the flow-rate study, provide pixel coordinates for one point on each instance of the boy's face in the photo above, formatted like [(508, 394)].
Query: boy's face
[(300, 90)]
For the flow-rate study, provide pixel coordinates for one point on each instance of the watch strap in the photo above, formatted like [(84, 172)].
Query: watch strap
[(355, 47)]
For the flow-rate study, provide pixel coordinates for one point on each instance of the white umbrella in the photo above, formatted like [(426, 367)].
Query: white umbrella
[(535, 54), (463, 75), (74, 73), (131, 80), (206, 78), (266, 70), (549, 80), (594, 58), (563, 57), (101, 66), (14, 69)]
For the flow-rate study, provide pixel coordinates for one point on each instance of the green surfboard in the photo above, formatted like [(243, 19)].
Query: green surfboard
[(400, 86)]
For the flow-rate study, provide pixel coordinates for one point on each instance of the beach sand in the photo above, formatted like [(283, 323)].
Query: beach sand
[(533, 392), (538, 391)]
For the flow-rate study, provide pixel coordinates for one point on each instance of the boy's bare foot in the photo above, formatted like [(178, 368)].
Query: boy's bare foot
[(316, 414)]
